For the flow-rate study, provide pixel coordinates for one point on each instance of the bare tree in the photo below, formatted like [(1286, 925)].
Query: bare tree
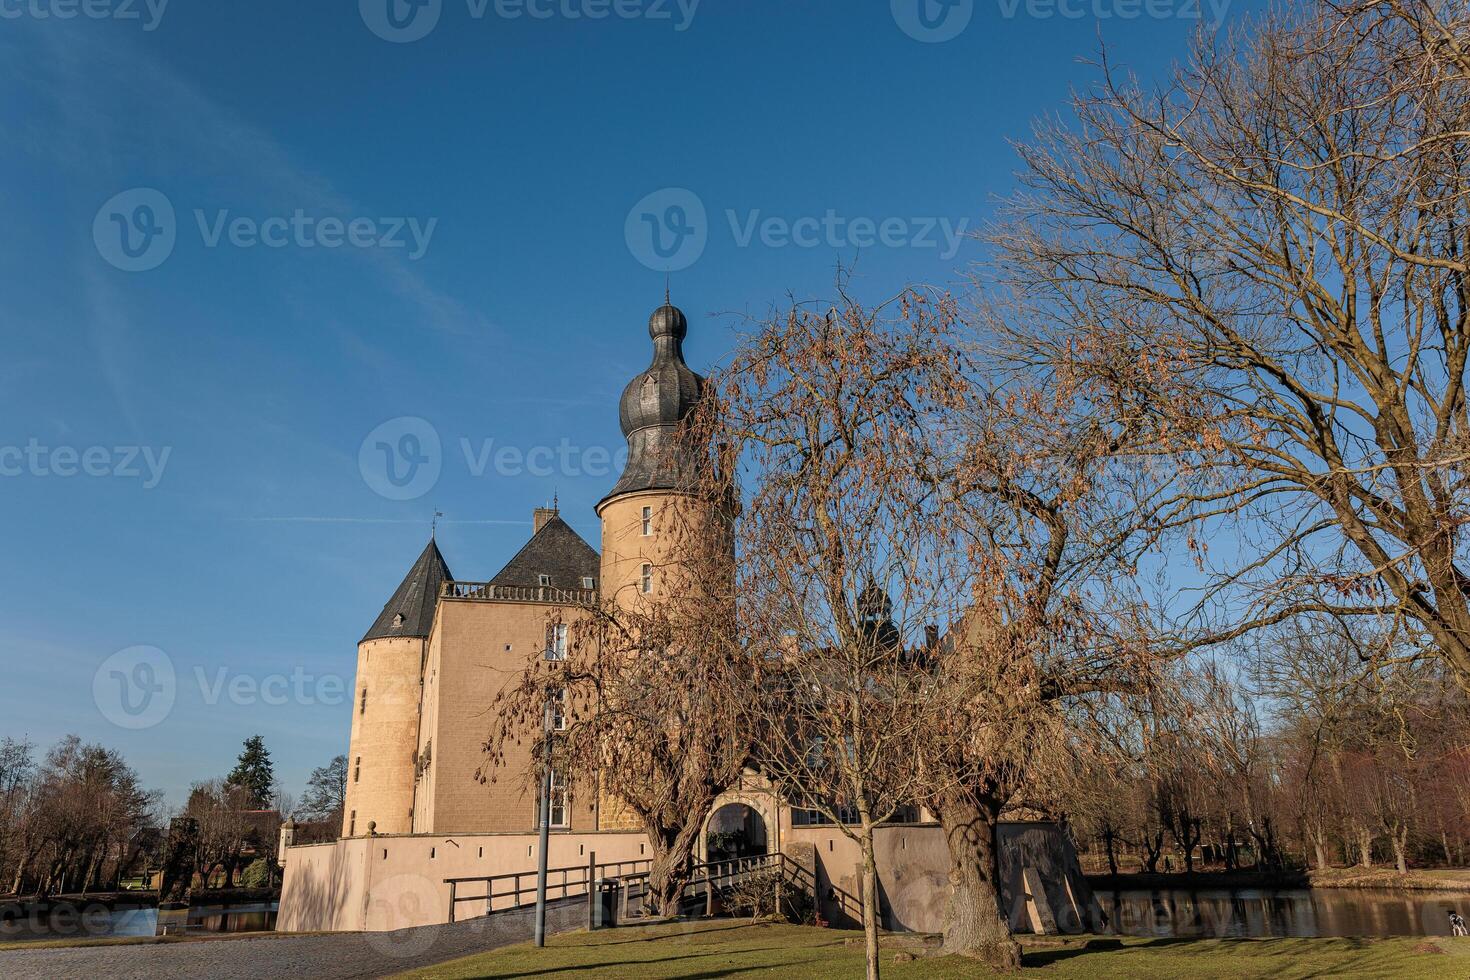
[(891, 495), (1267, 259), (326, 792), (651, 700), (823, 417)]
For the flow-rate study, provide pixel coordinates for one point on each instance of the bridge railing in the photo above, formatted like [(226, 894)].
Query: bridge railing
[(517, 890)]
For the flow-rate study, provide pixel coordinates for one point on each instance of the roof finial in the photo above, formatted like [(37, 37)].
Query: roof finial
[(555, 501), (434, 524), (668, 301)]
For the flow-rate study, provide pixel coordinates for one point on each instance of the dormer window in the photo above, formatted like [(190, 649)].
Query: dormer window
[(588, 582), (397, 620), (543, 580)]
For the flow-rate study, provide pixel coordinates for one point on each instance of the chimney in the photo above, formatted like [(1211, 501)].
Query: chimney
[(542, 516)]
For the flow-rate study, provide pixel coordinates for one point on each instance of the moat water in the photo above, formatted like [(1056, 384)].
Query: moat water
[(1281, 912), (68, 920)]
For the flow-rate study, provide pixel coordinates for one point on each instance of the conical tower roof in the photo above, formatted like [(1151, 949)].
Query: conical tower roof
[(411, 610)]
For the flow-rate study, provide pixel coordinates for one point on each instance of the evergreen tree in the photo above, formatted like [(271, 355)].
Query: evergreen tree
[(254, 772)]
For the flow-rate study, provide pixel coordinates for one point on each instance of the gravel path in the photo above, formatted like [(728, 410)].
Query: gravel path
[(269, 956)]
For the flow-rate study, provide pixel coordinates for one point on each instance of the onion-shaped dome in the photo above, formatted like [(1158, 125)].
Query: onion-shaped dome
[(653, 405), (666, 392)]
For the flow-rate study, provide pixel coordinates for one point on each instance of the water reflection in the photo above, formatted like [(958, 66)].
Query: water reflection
[(64, 920), (1293, 912)]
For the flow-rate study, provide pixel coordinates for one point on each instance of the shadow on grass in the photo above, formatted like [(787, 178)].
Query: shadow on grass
[(675, 934), (606, 965), (1045, 957)]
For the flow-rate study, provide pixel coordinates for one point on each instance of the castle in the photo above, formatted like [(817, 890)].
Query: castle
[(441, 648), (417, 820)]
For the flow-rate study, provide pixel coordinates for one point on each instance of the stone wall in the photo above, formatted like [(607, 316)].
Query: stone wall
[(380, 884), (386, 883), (1042, 884)]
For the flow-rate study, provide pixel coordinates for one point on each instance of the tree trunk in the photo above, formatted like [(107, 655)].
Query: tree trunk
[(1400, 842), (1319, 848), (1365, 848), (974, 922), (1112, 852), (671, 867), (1153, 849), (870, 901)]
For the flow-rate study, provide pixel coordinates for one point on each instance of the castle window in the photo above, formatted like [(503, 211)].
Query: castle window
[(647, 521), (397, 619), (559, 809), (356, 768), (352, 824), (543, 580), (556, 641), (559, 710), (362, 703), (646, 584), (588, 582)]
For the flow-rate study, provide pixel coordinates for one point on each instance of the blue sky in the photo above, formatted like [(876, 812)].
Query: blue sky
[(213, 409)]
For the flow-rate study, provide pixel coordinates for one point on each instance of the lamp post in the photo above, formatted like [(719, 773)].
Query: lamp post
[(546, 729)]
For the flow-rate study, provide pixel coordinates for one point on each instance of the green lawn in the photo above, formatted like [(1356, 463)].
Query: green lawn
[(726, 948)]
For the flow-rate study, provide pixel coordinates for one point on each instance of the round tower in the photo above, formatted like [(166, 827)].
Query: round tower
[(651, 510), (382, 758)]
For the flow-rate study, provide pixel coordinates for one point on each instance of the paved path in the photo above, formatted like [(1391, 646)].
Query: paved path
[(268, 956)]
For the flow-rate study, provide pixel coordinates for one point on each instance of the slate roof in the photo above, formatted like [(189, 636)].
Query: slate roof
[(555, 550), (415, 598)]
